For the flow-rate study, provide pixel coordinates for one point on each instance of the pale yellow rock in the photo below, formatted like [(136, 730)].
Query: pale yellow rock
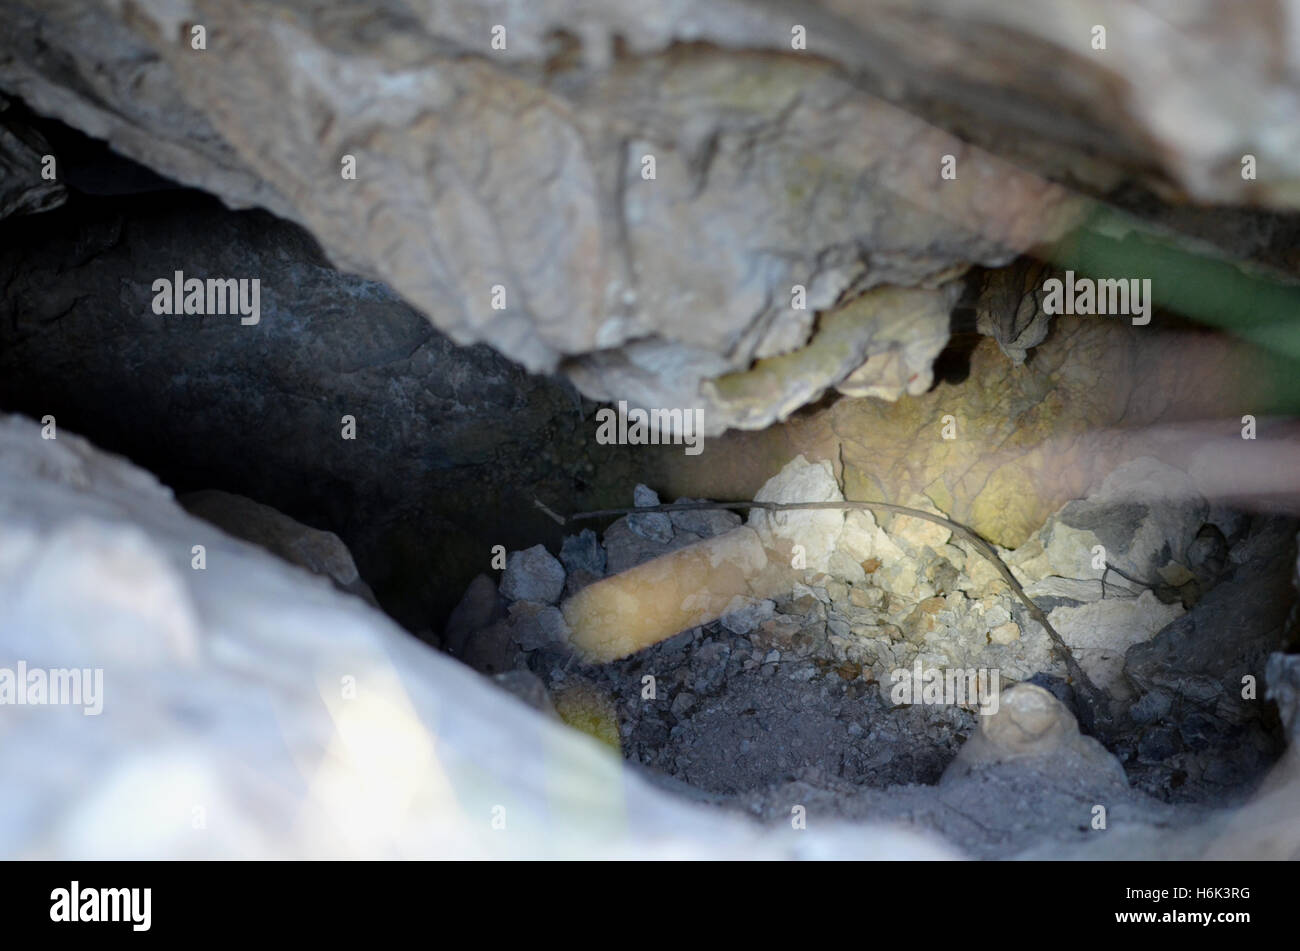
[(1007, 633), (982, 573), (918, 534), (1070, 552), (857, 539), (669, 594), (1030, 721)]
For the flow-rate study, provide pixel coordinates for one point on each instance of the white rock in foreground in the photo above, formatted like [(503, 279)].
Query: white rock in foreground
[(816, 532), (250, 710)]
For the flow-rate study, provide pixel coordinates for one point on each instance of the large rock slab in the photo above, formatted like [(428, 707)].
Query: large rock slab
[(23, 187), (250, 710), (504, 195), (444, 435)]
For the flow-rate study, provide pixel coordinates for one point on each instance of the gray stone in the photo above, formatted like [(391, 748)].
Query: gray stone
[(477, 609), (1146, 514), (626, 549), (653, 526), (528, 687), (320, 552), (705, 523), (746, 614), (534, 626), (23, 190), (709, 667), (683, 704), (532, 575), (845, 566), (582, 552)]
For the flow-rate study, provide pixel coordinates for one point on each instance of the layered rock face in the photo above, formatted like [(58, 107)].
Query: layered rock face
[(657, 199), (635, 202), (443, 437)]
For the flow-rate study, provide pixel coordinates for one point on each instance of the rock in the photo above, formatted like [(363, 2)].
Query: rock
[(648, 294), (463, 426), (653, 526), (1207, 555), (842, 565), (534, 626), (914, 535), (320, 552), (857, 537), (654, 293), (1282, 676), (1100, 634), (1031, 724), (704, 523), (1146, 514), (816, 532), (410, 751), (1007, 633), (709, 667), (1010, 307), (532, 575), (626, 549), (1079, 590), (528, 687), (1028, 442), (683, 704), (745, 614), (582, 552), (1194, 672), (477, 609), (23, 190), (491, 649)]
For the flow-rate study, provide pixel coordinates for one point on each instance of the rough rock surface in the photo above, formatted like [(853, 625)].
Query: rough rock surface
[(321, 553), (1009, 445), (533, 575), (1194, 716), (816, 532), (252, 711), (530, 161), (796, 701), (445, 436), (23, 189)]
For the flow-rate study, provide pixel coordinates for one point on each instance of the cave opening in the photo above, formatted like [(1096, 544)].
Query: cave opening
[(1077, 588)]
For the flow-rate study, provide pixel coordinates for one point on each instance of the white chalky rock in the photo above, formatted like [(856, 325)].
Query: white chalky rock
[(1101, 632), (858, 537), (816, 532), (533, 575), (1032, 725), (251, 710)]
